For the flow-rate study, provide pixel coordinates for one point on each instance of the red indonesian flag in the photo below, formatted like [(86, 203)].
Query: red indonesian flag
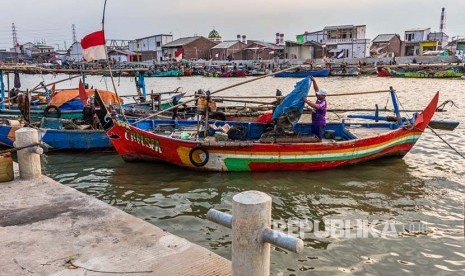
[(178, 55), (93, 46)]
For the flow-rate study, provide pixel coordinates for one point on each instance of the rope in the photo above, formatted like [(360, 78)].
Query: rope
[(450, 146)]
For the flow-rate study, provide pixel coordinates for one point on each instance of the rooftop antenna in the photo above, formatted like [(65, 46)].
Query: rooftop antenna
[(442, 23)]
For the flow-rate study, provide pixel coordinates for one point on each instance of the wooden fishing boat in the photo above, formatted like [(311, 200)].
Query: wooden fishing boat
[(344, 71), (304, 74), (258, 150), (64, 104), (59, 134), (383, 72), (421, 71), (159, 74)]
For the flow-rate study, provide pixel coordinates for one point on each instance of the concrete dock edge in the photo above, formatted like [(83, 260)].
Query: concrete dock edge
[(47, 228)]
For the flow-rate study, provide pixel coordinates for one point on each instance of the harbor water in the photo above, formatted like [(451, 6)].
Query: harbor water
[(388, 217)]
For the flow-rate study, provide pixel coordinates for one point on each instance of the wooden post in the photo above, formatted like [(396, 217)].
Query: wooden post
[(251, 214), (28, 158)]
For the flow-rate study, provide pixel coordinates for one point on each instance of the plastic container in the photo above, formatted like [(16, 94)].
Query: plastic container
[(185, 136), (6, 168)]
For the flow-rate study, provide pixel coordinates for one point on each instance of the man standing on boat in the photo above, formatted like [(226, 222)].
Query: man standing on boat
[(319, 110)]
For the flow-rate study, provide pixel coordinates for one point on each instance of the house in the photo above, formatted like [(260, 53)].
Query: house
[(344, 41), (75, 52), (412, 38), (259, 50), (119, 55), (386, 45), (192, 48), (150, 47), (226, 49), (304, 50), (441, 37)]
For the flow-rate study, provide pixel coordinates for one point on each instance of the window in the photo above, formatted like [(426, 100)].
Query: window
[(410, 37), (158, 43)]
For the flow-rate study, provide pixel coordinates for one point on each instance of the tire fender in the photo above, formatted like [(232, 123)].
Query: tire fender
[(50, 107), (194, 156)]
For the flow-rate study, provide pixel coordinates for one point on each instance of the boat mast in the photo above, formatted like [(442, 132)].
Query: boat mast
[(396, 105)]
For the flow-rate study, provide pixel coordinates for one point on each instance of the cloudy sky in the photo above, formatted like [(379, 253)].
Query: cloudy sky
[(51, 20)]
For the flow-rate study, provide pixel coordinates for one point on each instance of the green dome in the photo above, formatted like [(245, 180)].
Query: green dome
[(214, 34)]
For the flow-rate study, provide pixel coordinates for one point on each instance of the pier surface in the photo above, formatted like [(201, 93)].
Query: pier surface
[(47, 228)]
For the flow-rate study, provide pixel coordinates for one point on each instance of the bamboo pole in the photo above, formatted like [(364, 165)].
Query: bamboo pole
[(280, 97), (217, 91)]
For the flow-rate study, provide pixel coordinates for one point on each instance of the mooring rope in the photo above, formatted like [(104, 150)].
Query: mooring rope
[(450, 146)]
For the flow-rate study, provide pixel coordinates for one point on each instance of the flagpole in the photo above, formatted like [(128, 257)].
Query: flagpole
[(108, 62)]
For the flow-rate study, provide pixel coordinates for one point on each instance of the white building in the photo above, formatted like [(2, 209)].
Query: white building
[(150, 47), (412, 38), (345, 41)]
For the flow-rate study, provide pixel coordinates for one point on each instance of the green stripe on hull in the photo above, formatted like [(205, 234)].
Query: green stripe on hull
[(243, 164)]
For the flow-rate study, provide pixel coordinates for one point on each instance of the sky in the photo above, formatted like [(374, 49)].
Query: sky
[(51, 20)]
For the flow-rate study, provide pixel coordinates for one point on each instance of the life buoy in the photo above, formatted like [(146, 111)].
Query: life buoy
[(218, 116), (51, 107), (196, 158)]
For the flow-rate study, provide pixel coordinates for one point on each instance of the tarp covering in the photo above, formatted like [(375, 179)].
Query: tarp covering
[(64, 96), (293, 103)]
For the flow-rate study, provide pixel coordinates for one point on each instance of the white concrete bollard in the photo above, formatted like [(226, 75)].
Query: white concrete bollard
[(251, 214), (28, 160)]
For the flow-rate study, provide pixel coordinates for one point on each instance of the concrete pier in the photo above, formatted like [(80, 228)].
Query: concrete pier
[(47, 228)]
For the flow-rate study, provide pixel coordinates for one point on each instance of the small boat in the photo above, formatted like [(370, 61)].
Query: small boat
[(303, 74), (383, 72), (421, 71), (64, 104), (159, 74), (251, 147), (344, 71), (60, 134)]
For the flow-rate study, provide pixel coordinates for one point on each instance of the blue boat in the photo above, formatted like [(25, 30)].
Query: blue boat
[(54, 134), (303, 74)]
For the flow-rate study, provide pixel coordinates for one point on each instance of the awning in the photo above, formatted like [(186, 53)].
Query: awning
[(335, 50)]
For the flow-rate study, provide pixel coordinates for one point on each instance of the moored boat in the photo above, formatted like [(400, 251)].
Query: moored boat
[(254, 149), (304, 74), (59, 134)]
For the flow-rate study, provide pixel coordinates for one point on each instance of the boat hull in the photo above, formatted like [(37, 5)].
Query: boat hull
[(78, 140), (303, 74)]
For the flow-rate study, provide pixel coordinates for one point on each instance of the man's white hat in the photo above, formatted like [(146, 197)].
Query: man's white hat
[(322, 92)]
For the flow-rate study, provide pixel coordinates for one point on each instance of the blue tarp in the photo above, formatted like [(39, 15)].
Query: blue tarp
[(74, 104), (294, 102)]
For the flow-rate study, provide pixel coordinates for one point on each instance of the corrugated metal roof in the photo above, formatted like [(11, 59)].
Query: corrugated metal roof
[(338, 27), (266, 45), (226, 44), (181, 41), (417, 29), (383, 38)]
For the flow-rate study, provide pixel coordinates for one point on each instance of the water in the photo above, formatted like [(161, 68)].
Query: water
[(418, 200)]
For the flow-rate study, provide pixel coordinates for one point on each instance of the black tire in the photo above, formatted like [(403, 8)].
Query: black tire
[(195, 162), (51, 107), (218, 116)]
